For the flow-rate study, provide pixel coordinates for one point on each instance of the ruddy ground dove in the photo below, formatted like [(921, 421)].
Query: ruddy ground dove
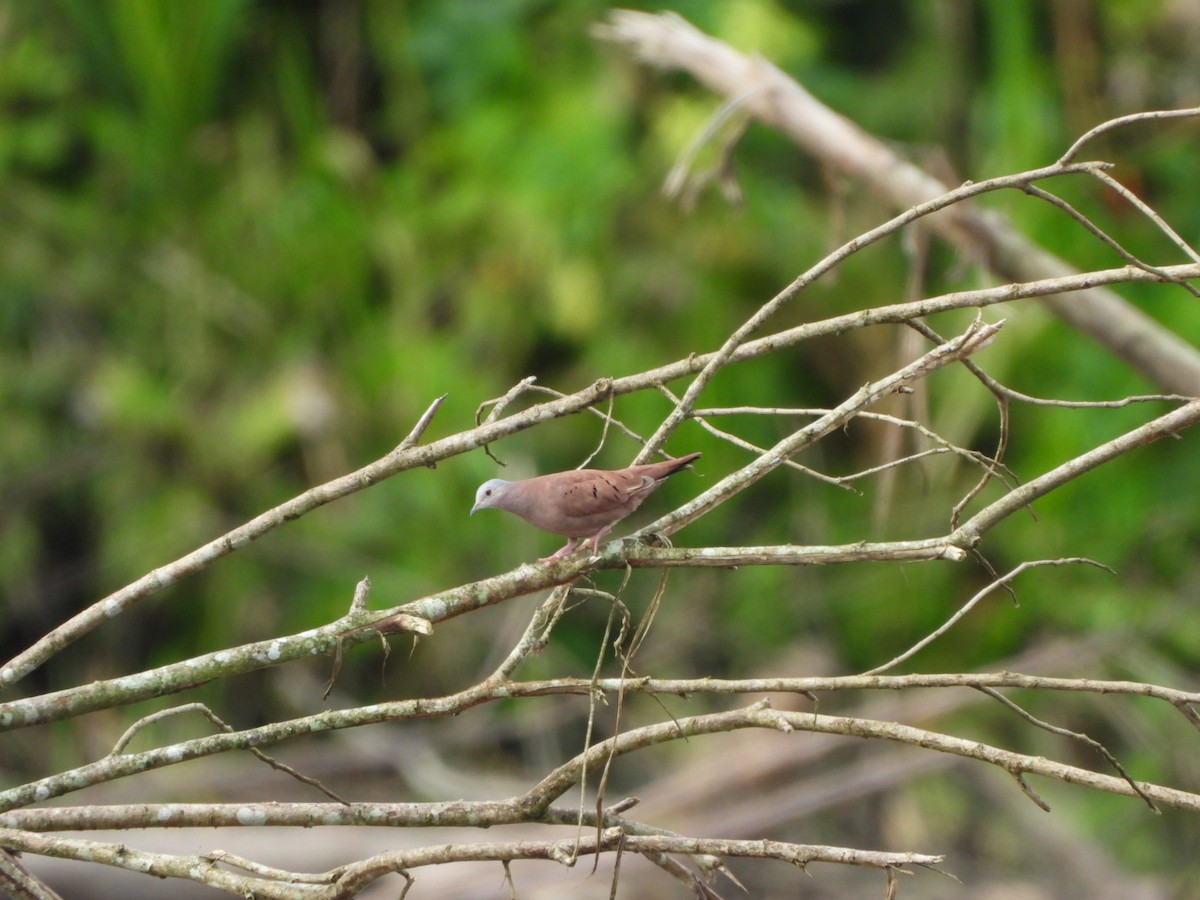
[(580, 504)]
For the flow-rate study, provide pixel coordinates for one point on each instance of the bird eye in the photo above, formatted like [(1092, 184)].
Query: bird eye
[(488, 492)]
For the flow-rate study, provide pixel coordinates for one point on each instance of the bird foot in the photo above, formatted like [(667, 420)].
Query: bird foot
[(570, 547), (574, 543)]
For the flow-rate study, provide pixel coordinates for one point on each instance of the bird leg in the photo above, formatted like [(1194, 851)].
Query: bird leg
[(562, 551), (574, 542), (596, 538)]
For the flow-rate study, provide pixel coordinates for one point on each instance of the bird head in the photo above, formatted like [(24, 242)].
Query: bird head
[(490, 494)]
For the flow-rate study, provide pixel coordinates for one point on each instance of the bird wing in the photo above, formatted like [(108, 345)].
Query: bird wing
[(581, 502), (591, 492)]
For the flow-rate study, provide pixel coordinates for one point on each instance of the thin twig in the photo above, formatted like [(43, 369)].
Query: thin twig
[(1109, 241), (699, 416), (207, 713), (396, 461), (1019, 776), (969, 533), (1146, 210), (670, 42), (563, 778), (974, 338), (609, 419), (607, 416), (418, 430), (1074, 735), (496, 406), (970, 604), (1121, 122)]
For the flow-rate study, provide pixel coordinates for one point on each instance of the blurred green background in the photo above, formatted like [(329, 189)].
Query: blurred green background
[(243, 245)]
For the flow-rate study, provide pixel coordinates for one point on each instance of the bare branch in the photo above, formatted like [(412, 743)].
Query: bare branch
[(758, 716), (970, 604), (974, 338), (969, 533), (428, 455), (528, 578), (599, 823), (821, 684), (1121, 122), (1104, 238), (422, 424), (700, 417), (398, 460), (223, 726), (1145, 209), (18, 883), (780, 102), (1074, 735)]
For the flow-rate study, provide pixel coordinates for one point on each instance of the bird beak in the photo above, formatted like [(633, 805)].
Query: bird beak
[(473, 509)]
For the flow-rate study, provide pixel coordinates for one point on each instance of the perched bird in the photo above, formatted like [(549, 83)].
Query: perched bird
[(579, 504)]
